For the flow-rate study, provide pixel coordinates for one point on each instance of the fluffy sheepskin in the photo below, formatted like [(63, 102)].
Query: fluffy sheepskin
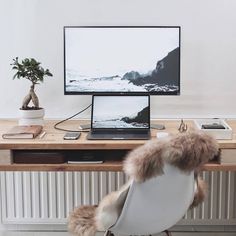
[(191, 151), (82, 221), (86, 220), (200, 194), (110, 208), (145, 161), (188, 152)]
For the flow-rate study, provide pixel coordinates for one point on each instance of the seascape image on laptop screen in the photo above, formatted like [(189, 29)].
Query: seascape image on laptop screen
[(121, 112), (122, 59)]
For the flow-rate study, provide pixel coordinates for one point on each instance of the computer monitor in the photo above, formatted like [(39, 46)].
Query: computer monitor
[(118, 59)]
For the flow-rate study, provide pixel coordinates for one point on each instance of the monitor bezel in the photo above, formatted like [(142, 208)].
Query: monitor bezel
[(121, 95), (120, 92)]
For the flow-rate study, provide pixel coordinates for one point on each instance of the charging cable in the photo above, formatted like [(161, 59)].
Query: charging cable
[(62, 121)]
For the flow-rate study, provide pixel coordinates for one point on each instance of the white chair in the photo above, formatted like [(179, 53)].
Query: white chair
[(162, 187), (156, 204)]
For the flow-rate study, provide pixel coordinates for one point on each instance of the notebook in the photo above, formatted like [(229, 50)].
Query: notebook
[(120, 117), (23, 132)]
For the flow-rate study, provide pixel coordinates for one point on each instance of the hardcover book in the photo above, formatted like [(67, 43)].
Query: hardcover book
[(23, 132)]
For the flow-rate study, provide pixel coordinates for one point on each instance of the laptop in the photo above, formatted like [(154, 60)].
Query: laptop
[(119, 117)]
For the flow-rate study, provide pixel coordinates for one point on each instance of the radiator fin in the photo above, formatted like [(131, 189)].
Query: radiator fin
[(48, 197)]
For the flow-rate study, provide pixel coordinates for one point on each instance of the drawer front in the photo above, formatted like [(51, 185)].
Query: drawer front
[(5, 156), (228, 156)]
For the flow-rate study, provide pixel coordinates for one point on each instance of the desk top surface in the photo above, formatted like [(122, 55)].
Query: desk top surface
[(54, 138)]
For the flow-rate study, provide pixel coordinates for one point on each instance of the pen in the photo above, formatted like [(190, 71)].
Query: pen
[(42, 134)]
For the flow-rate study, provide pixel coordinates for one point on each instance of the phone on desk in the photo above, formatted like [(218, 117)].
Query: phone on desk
[(72, 135), (213, 126)]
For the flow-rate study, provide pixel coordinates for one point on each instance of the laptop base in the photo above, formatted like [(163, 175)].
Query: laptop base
[(118, 136)]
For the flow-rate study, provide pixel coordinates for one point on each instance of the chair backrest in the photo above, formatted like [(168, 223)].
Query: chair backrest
[(157, 204)]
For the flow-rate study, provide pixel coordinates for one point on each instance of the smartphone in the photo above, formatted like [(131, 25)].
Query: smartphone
[(213, 126), (72, 135)]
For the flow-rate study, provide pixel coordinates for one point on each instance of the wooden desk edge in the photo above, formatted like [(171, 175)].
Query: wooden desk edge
[(106, 166), (54, 140), (91, 145)]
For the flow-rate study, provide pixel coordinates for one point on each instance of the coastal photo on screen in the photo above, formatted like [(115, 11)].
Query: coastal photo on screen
[(121, 112), (122, 59)]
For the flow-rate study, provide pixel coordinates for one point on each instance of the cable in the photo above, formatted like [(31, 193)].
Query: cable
[(62, 121)]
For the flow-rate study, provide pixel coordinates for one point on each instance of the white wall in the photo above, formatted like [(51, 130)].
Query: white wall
[(34, 28)]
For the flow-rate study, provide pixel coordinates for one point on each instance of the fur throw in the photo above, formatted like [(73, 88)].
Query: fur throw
[(82, 221), (86, 220), (188, 152), (110, 208), (200, 193)]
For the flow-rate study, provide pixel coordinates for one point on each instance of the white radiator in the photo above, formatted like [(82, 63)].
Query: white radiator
[(48, 197)]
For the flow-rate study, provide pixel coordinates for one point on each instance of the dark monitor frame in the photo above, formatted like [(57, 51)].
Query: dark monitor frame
[(117, 92)]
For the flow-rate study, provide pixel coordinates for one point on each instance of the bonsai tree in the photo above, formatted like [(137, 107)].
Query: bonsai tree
[(31, 70)]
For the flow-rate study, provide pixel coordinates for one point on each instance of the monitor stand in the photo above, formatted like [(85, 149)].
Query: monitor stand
[(158, 126), (86, 126)]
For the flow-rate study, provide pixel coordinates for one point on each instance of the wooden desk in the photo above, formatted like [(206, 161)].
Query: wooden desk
[(53, 140)]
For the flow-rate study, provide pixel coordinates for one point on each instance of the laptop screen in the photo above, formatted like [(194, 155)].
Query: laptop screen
[(121, 112)]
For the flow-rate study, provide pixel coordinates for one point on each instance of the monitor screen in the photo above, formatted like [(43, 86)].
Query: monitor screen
[(122, 60), (121, 112)]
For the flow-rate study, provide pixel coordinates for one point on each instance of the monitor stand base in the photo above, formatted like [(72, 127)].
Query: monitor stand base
[(85, 126), (158, 126)]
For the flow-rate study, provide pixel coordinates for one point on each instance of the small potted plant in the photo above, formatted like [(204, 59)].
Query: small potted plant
[(31, 70)]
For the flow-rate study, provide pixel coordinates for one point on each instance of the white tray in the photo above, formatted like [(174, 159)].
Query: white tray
[(226, 133)]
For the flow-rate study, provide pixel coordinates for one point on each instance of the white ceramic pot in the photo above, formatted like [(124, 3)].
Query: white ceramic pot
[(31, 117)]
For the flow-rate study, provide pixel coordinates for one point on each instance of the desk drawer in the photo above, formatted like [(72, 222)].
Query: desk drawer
[(5, 157), (228, 156)]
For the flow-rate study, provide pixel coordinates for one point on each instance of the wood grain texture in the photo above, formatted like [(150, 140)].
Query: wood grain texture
[(228, 156), (54, 140), (5, 157), (106, 166)]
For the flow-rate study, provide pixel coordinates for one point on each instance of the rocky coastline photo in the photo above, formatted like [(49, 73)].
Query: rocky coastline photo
[(123, 60)]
